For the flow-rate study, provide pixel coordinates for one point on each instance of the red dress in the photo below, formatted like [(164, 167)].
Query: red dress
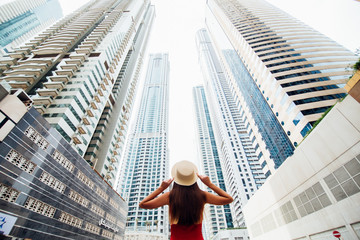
[(181, 232)]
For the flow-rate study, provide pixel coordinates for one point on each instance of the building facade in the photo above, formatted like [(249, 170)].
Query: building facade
[(47, 190), (317, 190), (298, 72), (146, 162), (241, 169), (81, 74), (216, 217), (21, 19)]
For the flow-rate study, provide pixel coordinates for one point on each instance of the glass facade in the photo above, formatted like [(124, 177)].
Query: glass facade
[(302, 67), (268, 126), (217, 217), (236, 147), (23, 22)]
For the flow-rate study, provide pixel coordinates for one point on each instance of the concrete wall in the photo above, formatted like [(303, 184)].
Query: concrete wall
[(317, 190)]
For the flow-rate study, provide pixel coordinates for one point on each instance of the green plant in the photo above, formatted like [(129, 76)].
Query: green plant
[(356, 66)]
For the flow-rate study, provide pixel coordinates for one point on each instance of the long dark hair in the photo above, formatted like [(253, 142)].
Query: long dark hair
[(186, 204)]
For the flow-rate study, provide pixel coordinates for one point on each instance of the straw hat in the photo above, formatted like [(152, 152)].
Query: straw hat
[(184, 173)]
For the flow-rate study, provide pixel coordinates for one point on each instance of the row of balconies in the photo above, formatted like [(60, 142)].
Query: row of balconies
[(97, 35), (59, 39)]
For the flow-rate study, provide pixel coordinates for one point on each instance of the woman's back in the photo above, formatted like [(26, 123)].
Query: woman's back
[(186, 200), (186, 204)]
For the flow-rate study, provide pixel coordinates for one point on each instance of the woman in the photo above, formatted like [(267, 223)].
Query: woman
[(186, 200)]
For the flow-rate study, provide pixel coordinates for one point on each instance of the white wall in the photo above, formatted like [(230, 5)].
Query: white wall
[(331, 145)]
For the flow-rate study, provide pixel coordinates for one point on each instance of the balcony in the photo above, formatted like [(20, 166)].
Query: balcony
[(8, 60), (61, 78), (76, 139), (49, 50), (81, 129), (17, 55), (78, 56), (27, 72), (39, 100), (82, 50), (39, 66), (57, 85), (89, 112), (85, 120), (20, 78), (73, 61), (4, 66), (97, 99), (22, 85), (72, 67), (100, 92), (47, 92), (67, 72), (47, 61), (93, 105)]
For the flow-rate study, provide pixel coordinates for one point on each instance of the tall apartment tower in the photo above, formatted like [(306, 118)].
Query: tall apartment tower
[(81, 74), (295, 71), (21, 19), (240, 165), (216, 217), (146, 162)]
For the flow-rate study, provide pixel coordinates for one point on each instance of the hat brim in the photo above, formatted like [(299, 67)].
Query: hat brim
[(187, 182)]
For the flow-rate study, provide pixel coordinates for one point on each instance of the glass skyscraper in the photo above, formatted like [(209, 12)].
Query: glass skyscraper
[(276, 63), (216, 217), (239, 162), (20, 19), (146, 162), (82, 74)]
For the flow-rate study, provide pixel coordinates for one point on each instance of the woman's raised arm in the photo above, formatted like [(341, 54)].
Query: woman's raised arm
[(152, 201), (222, 198)]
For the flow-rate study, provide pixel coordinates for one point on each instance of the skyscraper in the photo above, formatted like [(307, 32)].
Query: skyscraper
[(21, 19), (216, 217), (81, 74), (240, 165), (295, 71), (146, 162)]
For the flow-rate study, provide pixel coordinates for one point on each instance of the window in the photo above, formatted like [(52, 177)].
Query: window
[(39, 207), (51, 181), (70, 219), (21, 162), (8, 194)]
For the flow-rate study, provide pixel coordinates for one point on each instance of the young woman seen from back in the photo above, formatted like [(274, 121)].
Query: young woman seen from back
[(186, 200)]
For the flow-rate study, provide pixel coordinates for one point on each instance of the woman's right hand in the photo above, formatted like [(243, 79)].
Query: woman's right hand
[(205, 179), (166, 183)]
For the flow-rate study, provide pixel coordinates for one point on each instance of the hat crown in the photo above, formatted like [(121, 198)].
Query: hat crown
[(184, 173)]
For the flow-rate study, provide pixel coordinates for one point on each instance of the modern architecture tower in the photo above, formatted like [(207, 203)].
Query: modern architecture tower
[(146, 162), (297, 72), (81, 74), (47, 190), (240, 165), (21, 19), (216, 217)]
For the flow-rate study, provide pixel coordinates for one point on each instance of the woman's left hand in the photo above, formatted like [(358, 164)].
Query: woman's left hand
[(166, 183)]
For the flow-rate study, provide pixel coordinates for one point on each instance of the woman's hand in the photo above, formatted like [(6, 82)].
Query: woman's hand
[(152, 201), (166, 183), (205, 179)]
